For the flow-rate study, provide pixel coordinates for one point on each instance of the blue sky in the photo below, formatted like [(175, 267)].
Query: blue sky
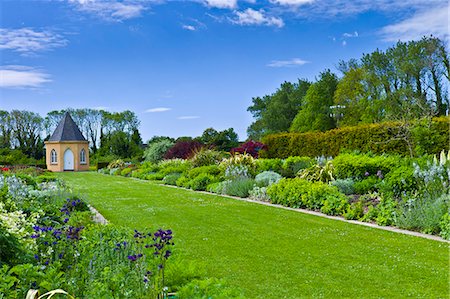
[(184, 66)]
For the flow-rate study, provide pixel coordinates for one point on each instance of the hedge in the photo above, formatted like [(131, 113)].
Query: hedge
[(424, 138)]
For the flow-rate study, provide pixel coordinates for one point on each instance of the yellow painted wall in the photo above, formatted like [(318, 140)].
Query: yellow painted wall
[(60, 147)]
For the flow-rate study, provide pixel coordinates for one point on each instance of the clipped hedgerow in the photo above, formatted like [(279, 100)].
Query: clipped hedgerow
[(376, 138)]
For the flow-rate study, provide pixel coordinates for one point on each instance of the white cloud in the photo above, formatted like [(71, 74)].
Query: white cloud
[(187, 117), (158, 109), (292, 2), (189, 27), (15, 76), (349, 35), (341, 8), (344, 43), (256, 17), (112, 10), (433, 21), (287, 63), (28, 40), (221, 3)]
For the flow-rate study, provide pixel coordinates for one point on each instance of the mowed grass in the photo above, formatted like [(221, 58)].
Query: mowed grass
[(270, 252)]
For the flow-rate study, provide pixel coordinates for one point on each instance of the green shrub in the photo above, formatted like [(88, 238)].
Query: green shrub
[(200, 182), (126, 171), (213, 170), (360, 166), (116, 164), (155, 151), (423, 214), (355, 211), (267, 178), (275, 165), (12, 251), (240, 160), (171, 179), (216, 187), (155, 176), (318, 173), (174, 166), (386, 211), (345, 186), (375, 138), (369, 184), (183, 181), (299, 193), (239, 187), (205, 157), (292, 165), (444, 226), (335, 205), (399, 181)]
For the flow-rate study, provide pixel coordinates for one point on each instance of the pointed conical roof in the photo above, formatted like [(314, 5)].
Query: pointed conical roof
[(67, 130)]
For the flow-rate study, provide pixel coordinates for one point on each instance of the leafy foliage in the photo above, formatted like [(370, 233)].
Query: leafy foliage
[(183, 149)]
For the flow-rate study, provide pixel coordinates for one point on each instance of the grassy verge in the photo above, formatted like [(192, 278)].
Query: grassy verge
[(270, 252)]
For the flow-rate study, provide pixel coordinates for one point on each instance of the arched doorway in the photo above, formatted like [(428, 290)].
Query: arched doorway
[(68, 160)]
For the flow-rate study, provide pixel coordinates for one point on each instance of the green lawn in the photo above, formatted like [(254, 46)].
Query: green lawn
[(271, 252)]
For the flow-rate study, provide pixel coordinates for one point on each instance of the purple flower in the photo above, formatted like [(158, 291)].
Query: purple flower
[(380, 174), (36, 256), (132, 258), (66, 220), (167, 254), (366, 173)]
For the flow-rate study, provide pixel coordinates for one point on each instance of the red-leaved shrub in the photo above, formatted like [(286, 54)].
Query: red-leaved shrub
[(183, 149), (250, 147)]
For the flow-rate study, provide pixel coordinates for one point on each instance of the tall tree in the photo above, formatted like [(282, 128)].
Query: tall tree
[(274, 113), (5, 129), (27, 127), (315, 114)]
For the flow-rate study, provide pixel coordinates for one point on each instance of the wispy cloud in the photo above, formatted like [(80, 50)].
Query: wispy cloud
[(230, 4), (112, 10), (292, 2), (187, 117), (189, 27), (17, 76), (350, 35), (287, 63), (256, 17), (342, 8), (28, 40), (431, 21), (158, 109)]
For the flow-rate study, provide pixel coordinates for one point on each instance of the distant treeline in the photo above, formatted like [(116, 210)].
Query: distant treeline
[(108, 133), (408, 81)]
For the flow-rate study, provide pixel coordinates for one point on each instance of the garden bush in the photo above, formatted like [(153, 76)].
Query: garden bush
[(292, 165), (370, 184), (269, 165), (171, 179), (267, 178), (205, 157), (239, 187), (183, 181), (375, 138), (359, 166), (200, 182), (250, 147), (321, 172), (156, 151), (183, 149), (259, 193), (126, 171), (213, 170), (346, 186), (299, 193), (244, 160)]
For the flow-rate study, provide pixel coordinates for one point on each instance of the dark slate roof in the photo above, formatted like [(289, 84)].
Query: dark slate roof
[(67, 130)]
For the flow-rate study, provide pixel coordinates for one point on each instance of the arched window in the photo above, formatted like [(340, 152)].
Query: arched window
[(53, 157), (83, 156)]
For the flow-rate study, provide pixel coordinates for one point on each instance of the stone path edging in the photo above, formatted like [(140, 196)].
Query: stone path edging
[(386, 228)]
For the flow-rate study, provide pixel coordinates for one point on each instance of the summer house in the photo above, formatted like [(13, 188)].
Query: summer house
[(67, 149)]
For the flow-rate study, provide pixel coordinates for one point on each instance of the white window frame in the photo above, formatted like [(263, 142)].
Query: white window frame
[(53, 157), (82, 156)]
